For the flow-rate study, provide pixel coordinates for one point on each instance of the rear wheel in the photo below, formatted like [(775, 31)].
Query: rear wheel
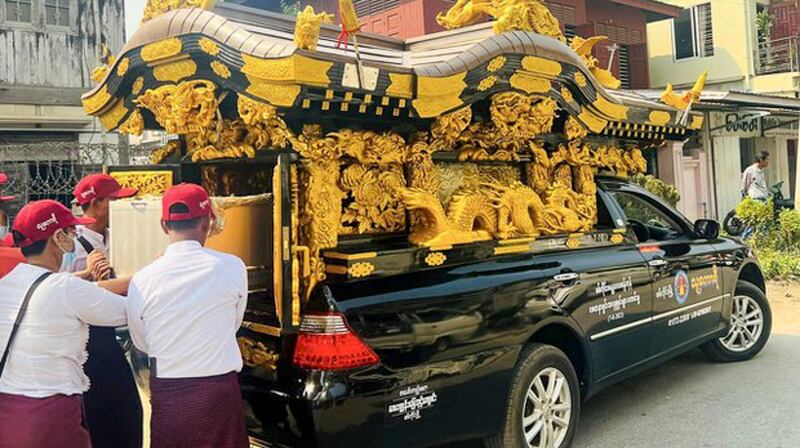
[(544, 404), (750, 326)]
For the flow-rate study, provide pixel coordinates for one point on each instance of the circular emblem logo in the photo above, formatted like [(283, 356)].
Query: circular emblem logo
[(681, 287)]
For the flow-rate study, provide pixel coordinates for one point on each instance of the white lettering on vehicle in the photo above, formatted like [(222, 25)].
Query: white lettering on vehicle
[(685, 317), (412, 402), (615, 305), (604, 288)]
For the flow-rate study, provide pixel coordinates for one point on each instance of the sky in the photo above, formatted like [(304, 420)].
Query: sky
[(133, 15)]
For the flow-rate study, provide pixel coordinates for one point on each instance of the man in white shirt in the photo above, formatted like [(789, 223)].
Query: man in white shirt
[(112, 405), (754, 185), (44, 328), (184, 310)]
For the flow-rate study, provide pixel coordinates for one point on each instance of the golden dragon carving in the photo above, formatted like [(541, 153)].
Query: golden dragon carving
[(509, 15)]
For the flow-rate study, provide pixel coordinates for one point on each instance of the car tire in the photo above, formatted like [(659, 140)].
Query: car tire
[(543, 363), (748, 299)]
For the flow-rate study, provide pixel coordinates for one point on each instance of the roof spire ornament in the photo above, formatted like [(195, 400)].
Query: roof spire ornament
[(670, 98), (307, 27), (584, 49)]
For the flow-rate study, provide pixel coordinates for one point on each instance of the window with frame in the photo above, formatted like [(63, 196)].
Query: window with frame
[(656, 224), (57, 12), (692, 32), (18, 11)]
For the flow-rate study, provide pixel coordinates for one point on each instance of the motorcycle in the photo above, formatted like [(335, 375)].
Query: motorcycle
[(734, 226)]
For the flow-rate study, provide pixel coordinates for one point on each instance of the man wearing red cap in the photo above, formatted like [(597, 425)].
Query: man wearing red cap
[(44, 328), (113, 408), (10, 256), (184, 310)]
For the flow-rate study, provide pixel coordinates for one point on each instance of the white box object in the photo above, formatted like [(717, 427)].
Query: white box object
[(135, 235)]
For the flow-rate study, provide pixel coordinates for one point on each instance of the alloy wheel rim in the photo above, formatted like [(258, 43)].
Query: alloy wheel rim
[(547, 410), (747, 324)]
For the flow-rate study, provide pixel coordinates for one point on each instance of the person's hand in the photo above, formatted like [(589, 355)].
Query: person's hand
[(98, 265)]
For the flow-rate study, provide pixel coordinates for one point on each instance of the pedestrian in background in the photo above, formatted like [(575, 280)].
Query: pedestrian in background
[(754, 184), (44, 319), (112, 404), (184, 310)]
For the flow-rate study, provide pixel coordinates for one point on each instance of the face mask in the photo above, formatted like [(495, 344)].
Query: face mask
[(69, 252), (3, 232)]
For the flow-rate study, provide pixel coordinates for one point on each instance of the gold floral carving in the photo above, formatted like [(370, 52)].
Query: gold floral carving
[(573, 129), (122, 67), (617, 238), (487, 83), (567, 95), (186, 108), (373, 203), (580, 79), (158, 155), (175, 71), (134, 125), (449, 127), (137, 86), (149, 183), (307, 27), (220, 69), (255, 354), (573, 243), (162, 49), (496, 64), (155, 8), (208, 46), (361, 269), (435, 259), (320, 212)]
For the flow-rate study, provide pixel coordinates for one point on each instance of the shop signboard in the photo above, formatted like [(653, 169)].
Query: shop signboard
[(743, 124)]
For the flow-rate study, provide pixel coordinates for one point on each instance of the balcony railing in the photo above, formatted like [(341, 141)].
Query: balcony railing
[(778, 56)]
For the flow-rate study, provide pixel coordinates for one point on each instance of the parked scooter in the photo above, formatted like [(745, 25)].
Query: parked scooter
[(734, 226)]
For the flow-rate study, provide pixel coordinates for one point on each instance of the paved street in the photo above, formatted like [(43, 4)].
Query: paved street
[(691, 402)]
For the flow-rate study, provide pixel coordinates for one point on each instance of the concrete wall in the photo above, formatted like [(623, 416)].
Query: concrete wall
[(734, 38), (37, 54), (728, 169)]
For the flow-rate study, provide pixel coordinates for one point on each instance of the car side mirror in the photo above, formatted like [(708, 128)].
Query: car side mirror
[(706, 228)]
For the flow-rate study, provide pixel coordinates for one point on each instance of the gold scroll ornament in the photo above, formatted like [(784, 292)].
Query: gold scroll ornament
[(149, 183)]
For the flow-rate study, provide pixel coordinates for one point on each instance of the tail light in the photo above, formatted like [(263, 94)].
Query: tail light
[(326, 342)]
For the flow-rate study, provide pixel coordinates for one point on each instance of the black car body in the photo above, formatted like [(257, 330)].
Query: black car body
[(450, 338)]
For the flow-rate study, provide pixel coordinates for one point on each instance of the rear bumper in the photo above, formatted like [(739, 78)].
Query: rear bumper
[(439, 403)]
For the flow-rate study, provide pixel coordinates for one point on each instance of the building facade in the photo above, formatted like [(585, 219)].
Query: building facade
[(749, 49), (623, 21), (48, 49)]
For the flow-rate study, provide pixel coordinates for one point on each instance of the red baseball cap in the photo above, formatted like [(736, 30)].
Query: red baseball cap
[(193, 196), (3, 180), (100, 186), (39, 220)]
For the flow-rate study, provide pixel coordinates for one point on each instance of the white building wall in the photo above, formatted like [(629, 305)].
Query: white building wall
[(728, 169)]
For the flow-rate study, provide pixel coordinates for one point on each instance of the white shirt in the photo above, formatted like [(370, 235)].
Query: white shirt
[(97, 240), (185, 308), (753, 183), (50, 347)]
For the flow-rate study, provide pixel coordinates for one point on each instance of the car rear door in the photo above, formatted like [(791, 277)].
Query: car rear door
[(687, 285), (612, 300)]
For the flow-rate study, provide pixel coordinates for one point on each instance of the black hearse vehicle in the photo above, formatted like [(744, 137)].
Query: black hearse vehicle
[(555, 327), (439, 242)]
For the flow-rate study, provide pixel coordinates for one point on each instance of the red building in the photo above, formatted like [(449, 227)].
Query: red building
[(623, 21)]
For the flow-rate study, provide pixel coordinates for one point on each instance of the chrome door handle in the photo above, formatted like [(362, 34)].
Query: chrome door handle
[(658, 262), (566, 277)]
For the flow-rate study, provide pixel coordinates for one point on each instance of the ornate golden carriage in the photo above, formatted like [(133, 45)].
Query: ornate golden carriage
[(468, 144)]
